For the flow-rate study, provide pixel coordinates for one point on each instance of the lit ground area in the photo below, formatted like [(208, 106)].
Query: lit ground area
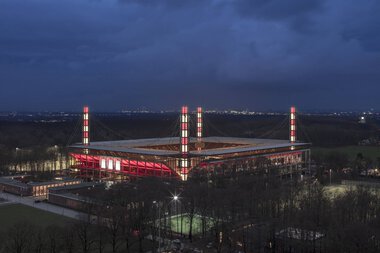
[(350, 151), (177, 221), (335, 190), (338, 189), (14, 213)]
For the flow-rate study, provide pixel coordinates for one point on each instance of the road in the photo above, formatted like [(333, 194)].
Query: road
[(30, 201)]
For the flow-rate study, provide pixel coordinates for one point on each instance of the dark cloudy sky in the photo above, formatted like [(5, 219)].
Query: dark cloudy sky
[(160, 54)]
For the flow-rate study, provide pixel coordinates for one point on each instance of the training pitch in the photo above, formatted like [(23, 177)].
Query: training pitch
[(181, 224)]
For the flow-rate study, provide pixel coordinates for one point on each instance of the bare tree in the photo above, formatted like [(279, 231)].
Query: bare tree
[(69, 238), (85, 233), (39, 241), (113, 224), (19, 238)]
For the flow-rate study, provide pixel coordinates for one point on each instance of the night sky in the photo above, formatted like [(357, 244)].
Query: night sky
[(160, 54)]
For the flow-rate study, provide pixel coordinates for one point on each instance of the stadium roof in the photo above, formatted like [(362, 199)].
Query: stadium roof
[(149, 146)]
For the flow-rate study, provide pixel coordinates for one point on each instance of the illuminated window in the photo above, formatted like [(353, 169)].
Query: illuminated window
[(117, 165), (103, 164), (110, 164)]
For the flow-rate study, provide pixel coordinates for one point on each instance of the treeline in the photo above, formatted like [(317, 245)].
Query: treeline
[(76, 236), (33, 160), (249, 214), (320, 130), (339, 166)]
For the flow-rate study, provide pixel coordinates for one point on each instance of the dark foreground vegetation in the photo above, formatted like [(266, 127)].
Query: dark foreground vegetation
[(247, 214)]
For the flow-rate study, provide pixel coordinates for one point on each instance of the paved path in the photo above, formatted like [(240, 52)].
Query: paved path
[(30, 201), (6, 203)]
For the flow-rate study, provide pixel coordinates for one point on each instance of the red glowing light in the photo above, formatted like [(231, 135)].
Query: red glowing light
[(292, 128), (199, 126), (184, 138), (85, 130), (93, 164), (184, 109)]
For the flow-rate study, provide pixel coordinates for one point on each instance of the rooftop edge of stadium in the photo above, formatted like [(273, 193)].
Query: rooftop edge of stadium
[(237, 145)]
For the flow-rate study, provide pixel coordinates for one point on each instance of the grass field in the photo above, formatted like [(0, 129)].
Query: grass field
[(335, 190), (175, 222), (14, 213), (351, 151)]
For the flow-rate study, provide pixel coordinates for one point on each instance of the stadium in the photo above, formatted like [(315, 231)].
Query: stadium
[(184, 156)]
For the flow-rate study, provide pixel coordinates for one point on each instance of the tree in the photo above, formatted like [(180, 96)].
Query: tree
[(19, 238), (113, 223), (85, 233), (69, 238)]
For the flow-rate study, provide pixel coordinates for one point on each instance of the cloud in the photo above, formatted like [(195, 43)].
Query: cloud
[(160, 54), (362, 23), (167, 3), (299, 14), (277, 9)]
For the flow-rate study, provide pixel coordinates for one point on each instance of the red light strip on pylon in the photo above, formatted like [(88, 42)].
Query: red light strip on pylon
[(184, 162), (199, 125), (86, 130), (293, 127)]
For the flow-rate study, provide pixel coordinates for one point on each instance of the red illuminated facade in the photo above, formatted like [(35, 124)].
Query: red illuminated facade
[(96, 166)]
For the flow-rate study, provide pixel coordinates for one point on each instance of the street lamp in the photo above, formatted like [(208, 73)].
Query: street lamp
[(17, 150), (175, 199)]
